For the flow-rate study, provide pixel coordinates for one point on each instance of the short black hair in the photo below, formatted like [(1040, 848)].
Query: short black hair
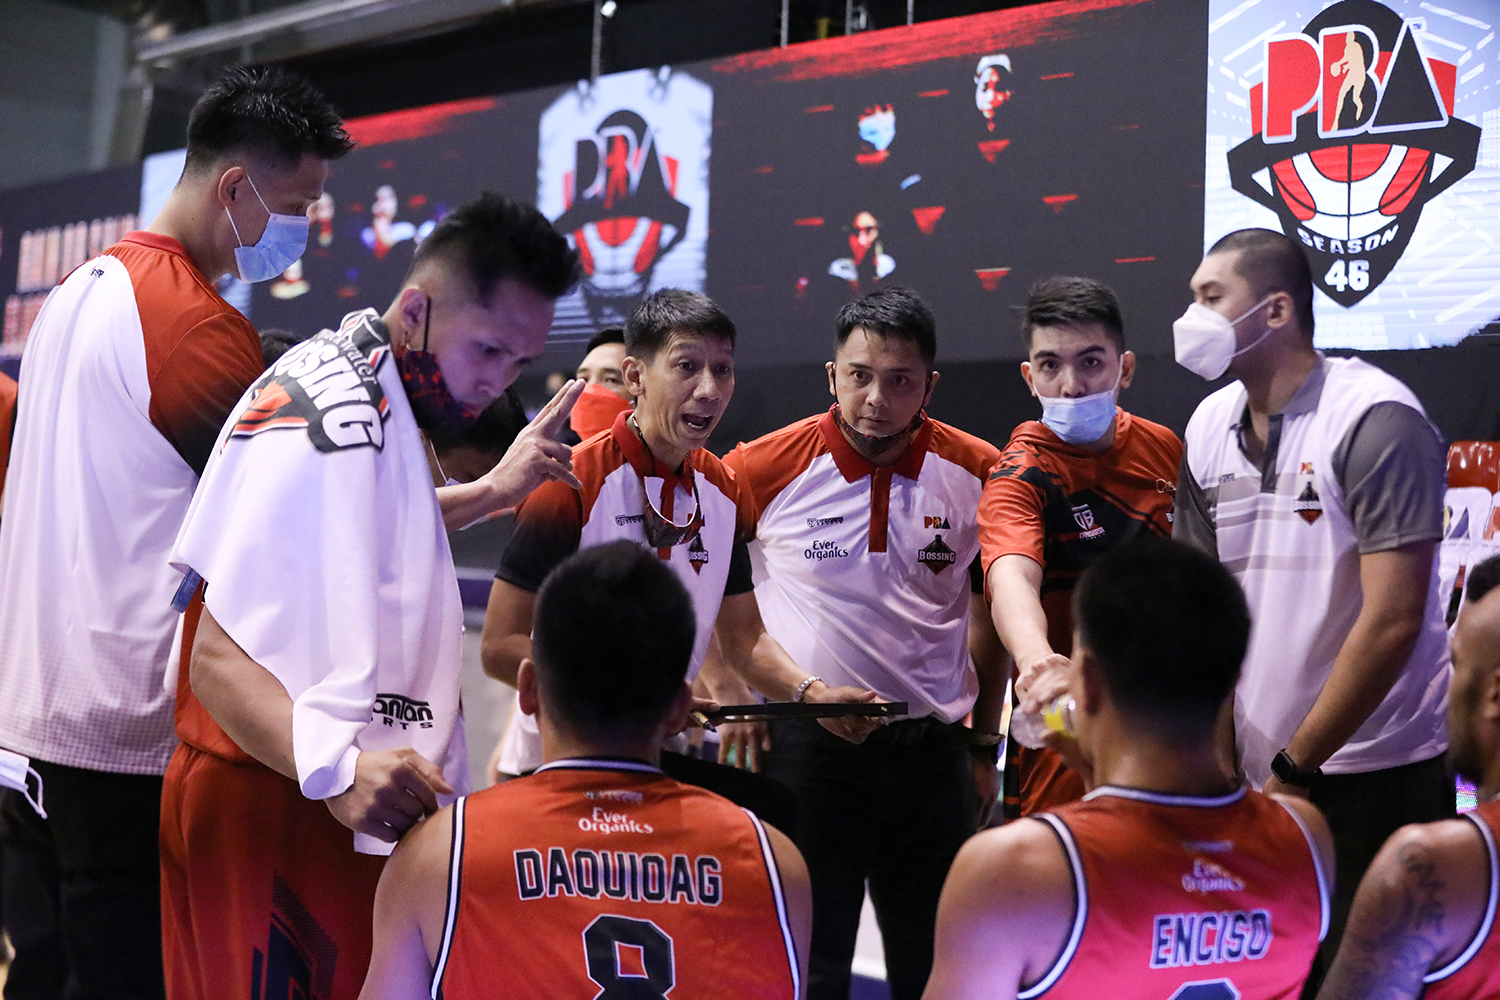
[(1482, 579), (492, 432), (265, 110), (669, 311), (614, 335), (890, 312), (275, 342), (1065, 300), (1169, 627), (612, 638), (494, 237), (1272, 262)]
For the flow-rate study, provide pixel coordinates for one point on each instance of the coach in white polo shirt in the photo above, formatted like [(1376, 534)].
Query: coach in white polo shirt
[(1319, 483), (866, 523)]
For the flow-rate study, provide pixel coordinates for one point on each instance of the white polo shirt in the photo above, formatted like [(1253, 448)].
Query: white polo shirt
[(865, 573)]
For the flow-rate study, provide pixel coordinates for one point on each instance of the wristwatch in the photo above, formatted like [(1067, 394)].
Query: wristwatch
[(1288, 772)]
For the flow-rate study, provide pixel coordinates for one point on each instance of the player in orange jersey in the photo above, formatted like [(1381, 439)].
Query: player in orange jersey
[(1423, 920), (1167, 881), (597, 875)]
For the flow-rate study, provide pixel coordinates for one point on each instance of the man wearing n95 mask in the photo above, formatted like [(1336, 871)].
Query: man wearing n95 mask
[(1319, 483), (1068, 488)]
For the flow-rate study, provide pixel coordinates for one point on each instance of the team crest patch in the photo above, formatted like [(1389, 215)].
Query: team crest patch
[(327, 386), (1307, 505), (1083, 516), (697, 554), (937, 556)]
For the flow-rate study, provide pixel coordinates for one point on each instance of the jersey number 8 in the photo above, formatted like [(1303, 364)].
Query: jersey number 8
[(609, 939)]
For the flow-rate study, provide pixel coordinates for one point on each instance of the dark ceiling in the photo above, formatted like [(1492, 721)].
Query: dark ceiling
[(535, 45)]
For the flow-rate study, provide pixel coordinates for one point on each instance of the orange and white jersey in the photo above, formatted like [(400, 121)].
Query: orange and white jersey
[(1475, 973), (605, 878), (132, 366), (866, 572), (617, 471), (1187, 898)]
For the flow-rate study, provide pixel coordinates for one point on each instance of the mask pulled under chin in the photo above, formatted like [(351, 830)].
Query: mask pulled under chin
[(438, 413), (869, 444)]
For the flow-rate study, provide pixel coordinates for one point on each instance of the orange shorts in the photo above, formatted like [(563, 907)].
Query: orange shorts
[(262, 893)]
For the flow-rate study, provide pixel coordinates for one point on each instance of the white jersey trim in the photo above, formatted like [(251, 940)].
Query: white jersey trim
[(1324, 891), (781, 914), (1488, 923), (597, 764), (1080, 914), (455, 881), (1163, 799)]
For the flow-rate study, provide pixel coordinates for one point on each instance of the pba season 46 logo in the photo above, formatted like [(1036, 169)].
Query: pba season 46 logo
[(1353, 133), (623, 173)]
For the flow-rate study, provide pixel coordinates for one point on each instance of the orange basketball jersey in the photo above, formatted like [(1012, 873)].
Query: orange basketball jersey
[(1185, 898), (1475, 973), (606, 879)]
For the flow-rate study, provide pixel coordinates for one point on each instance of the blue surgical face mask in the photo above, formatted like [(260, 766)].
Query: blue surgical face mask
[(1082, 420), (280, 246)]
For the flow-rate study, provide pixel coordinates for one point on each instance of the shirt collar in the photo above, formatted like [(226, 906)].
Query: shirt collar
[(855, 466), (642, 461)]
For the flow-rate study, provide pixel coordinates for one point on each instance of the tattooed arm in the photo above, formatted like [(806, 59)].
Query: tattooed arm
[(1417, 909)]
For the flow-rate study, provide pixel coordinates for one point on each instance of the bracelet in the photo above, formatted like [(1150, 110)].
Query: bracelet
[(985, 751), (976, 738), (801, 691)]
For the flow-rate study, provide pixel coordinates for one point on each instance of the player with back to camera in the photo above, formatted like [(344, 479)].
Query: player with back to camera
[(1169, 879), (322, 718), (1068, 488), (129, 372), (1320, 482), (1424, 918), (598, 873)]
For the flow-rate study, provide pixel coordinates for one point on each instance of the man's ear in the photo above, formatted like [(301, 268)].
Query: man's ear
[(412, 305), (1127, 369), (1091, 683), (1026, 376), (1281, 311), (676, 719), (526, 687), (1489, 696), (632, 370), (832, 388), (231, 185), (932, 381)]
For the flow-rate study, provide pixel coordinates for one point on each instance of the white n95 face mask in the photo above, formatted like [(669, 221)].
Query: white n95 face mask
[(1204, 341), (16, 772), (1081, 420), (280, 246)]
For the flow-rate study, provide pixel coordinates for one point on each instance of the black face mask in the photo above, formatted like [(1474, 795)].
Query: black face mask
[(869, 445), (440, 415)]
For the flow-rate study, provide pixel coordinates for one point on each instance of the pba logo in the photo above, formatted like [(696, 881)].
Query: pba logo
[(622, 173), (1353, 133)]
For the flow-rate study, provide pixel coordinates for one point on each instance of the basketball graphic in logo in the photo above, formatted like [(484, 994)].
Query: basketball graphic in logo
[(1353, 134)]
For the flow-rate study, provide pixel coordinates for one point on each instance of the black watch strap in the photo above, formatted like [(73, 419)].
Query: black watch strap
[(1287, 770)]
